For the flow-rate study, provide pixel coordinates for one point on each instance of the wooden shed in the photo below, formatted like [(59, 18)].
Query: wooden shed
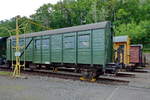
[(122, 42)]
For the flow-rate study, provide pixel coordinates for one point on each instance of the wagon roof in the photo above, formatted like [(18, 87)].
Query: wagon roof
[(68, 29), (137, 45), (120, 39)]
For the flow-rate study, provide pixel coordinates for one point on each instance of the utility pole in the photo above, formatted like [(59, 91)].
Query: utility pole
[(17, 66)]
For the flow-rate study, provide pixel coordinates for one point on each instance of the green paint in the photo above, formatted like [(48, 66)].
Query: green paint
[(83, 47)]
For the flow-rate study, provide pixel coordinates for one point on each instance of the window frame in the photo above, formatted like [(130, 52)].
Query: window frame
[(81, 42), (70, 41), (35, 45), (47, 41)]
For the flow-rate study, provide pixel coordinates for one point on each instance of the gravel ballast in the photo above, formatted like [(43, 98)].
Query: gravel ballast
[(46, 88)]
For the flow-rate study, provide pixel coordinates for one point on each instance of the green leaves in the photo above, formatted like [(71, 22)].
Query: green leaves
[(137, 32), (129, 17)]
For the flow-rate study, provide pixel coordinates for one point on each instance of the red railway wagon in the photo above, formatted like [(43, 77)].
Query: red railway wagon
[(136, 55)]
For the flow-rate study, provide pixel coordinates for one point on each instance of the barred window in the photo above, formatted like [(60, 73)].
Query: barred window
[(56, 42), (37, 43), (29, 40), (13, 43), (45, 43), (21, 42), (84, 41), (69, 42)]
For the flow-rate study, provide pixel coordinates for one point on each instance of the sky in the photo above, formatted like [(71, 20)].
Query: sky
[(12, 8)]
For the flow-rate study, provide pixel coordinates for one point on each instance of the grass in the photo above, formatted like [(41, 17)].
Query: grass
[(4, 73), (146, 50)]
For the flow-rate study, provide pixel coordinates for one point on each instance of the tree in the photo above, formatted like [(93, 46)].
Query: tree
[(129, 17)]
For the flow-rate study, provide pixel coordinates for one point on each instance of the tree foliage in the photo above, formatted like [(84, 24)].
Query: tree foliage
[(129, 17)]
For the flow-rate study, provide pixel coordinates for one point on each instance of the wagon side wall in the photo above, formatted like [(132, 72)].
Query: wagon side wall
[(88, 47)]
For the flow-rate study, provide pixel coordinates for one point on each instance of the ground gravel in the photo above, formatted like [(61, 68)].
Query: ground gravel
[(46, 88)]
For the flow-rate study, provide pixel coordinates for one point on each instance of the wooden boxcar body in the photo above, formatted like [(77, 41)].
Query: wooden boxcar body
[(131, 55), (122, 42), (136, 56), (85, 46)]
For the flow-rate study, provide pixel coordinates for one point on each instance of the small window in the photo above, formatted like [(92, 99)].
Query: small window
[(21, 42), (37, 44), (68, 45), (29, 43), (56, 42), (13, 43), (122, 46), (45, 43), (28, 40), (69, 42), (84, 41)]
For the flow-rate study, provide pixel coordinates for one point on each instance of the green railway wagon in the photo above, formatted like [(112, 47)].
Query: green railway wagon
[(85, 47)]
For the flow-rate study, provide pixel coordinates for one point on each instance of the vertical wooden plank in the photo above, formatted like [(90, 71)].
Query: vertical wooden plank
[(76, 46), (91, 35), (41, 48), (62, 49), (50, 48)]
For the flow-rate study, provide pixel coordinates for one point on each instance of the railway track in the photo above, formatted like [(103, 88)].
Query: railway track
[(69, 75)]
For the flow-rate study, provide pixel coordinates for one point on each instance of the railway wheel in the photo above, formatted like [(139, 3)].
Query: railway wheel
[(32, 67), (77, 70), (90, 74)]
